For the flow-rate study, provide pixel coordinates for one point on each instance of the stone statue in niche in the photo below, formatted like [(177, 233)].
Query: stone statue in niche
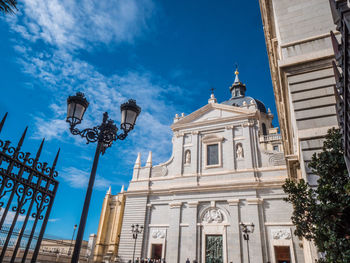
[(188, 157), (239, 151)]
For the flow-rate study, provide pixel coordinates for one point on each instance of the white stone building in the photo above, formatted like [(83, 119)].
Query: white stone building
[(227, 167)]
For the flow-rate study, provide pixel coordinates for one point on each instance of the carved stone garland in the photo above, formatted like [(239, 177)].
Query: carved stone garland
[(281, 234), (213, 215), (158, 233)]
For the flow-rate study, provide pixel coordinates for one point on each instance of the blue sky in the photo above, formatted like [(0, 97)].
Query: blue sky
[(165, 54)]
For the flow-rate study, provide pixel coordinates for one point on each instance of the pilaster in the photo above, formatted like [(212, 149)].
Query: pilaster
[(234, 238), (172, 253), (192, 208), (247, 146), (255, 238), (178, 153), (228, 149), (195, 154)]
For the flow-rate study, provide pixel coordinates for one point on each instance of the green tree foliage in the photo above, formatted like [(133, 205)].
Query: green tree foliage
[(322, 214), (8, 6)]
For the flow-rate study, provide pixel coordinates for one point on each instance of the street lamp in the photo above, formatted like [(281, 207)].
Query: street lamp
[(104, 134), (71, 242), (246, 229), (135, 231)]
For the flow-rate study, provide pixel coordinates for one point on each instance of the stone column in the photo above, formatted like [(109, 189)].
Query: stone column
[(172, 253), (255, 238), (192, 210), (234, 246)]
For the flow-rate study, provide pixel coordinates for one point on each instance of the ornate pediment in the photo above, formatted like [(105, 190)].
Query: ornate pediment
[(213, 113)]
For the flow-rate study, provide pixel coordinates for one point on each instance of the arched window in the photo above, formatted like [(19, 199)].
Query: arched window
[(264, 129)]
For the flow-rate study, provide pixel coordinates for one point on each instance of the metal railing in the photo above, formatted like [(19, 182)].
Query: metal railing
[(270, 137)]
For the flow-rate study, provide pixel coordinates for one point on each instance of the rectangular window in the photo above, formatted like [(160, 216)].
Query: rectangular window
[(275, 148), (282, 254), (213, 154)]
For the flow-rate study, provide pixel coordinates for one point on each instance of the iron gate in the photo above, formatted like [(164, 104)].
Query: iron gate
[(27, 191)]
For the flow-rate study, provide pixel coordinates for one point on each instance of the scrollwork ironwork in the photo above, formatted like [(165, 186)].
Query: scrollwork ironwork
[(106, 133), (21, 180)]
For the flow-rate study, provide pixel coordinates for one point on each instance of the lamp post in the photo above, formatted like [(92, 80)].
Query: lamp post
[(246, 229), (104, 134), (71, 242), (135, 231)]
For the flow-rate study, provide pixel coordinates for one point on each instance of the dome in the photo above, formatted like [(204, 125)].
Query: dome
[(239, 99), (239, 102)]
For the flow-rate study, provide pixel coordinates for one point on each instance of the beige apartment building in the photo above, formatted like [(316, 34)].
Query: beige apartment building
[(108, 233), (300, 53)]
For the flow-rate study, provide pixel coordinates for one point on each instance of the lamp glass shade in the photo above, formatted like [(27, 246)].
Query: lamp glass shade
[(252, 227), (76, 107), (129, 111)]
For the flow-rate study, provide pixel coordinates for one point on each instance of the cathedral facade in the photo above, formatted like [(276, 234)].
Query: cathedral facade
[(226, 171)]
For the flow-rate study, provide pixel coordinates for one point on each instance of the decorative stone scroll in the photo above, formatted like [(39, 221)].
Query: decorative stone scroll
[(281, 234), (158, 233), (213, 215)]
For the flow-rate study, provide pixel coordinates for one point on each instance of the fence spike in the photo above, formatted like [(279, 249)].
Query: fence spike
[(3, 121), (20, 143), (337, 74), (39, 150), (56, 158)]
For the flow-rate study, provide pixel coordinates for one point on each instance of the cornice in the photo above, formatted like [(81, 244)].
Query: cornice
[(251, 185), (254, 201), (233, 202), (175, 204), (180, 126), (193, 204), (250, 170)]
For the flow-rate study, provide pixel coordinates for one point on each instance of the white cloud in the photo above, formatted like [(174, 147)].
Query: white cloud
[(11, 216), (54, 219), (77, 178), (66, 26), (63, 73), (76, 24)]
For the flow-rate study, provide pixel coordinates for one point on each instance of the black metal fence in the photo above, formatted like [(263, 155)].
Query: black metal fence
[(27, 190)]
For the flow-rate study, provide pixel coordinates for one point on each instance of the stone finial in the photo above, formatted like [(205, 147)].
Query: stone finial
[(176, 118), (122, 189), (138, 161), (109, 191), (212, 99), (149, 159), (269, 113), (182, 115)]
